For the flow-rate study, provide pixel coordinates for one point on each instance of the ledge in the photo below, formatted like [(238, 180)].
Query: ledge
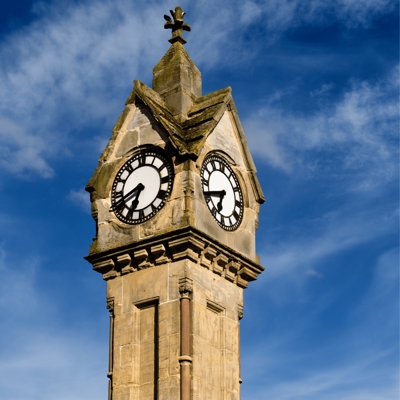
[(186, 243)]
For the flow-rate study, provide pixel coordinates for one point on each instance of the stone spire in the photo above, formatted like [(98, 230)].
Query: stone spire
[(176, 78)]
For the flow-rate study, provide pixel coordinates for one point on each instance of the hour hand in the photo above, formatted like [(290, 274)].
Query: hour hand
[(135, 202), (220, 193)]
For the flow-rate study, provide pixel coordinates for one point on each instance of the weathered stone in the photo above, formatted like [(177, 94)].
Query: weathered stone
[(175, 282)]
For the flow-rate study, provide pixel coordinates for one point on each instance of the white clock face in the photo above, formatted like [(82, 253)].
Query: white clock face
[(141, 187), (222, 192)]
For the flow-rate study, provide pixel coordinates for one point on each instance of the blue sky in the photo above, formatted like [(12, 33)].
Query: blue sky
[(316, 86)]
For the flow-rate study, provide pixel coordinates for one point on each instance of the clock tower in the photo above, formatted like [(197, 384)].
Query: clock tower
[(175, 199)]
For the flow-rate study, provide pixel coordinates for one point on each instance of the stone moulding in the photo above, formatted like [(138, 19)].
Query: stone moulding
[(183, 244), (189, 136)]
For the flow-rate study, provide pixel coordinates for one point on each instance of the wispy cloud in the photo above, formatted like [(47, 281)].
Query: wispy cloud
[(357, 363), (52, 360), (64, 71), (23, 151), (60, 74), (356, 135), (80, 198)]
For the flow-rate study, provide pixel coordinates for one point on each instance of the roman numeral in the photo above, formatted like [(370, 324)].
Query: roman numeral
[(129, 167), (165, 179), (236, 215), (162, 194), (118, 205), (141, 214), (129, 215), (238, 203), (214, 212), (118, 195), (141, 159)]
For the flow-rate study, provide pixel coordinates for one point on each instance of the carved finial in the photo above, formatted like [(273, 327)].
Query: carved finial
[(177, 26)]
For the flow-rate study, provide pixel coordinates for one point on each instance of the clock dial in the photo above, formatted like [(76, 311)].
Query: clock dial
[(141, 187), (222, 192)]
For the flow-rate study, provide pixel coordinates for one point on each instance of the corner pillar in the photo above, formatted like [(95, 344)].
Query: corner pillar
[(185, 359), (110, 308)]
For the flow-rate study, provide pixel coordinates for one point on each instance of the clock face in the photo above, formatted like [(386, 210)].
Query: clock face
[(141, 187), (222, 192)]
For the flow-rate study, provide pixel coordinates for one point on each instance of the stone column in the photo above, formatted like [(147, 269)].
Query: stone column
[(185, 359), (110, 307), (240, 316)]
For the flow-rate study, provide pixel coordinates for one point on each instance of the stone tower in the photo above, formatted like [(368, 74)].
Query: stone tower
[(176, 199)]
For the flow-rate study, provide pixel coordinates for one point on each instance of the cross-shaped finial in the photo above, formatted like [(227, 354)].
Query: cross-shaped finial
[(177, 26)]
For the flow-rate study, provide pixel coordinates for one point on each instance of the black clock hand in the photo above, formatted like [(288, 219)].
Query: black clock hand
[(220, 193), (127, 197), (215, 193), (136, 201)]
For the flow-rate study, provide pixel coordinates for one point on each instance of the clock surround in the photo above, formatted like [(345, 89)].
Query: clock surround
[(142, 186), (222, 192)]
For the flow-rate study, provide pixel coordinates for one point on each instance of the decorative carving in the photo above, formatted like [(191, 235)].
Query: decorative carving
[(185, 287), (231, 270), (207, 257), (240, 311), (219, 263), (158, 252), (142, 259), (110, 304), (177, 26), (125, 264), (110, 275), (106, 268), (241, 282), (186, 247)]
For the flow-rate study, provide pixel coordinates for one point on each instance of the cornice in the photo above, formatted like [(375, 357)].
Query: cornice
[(186, 243)]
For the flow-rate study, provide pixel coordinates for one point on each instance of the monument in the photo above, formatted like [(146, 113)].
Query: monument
[(175, 199)]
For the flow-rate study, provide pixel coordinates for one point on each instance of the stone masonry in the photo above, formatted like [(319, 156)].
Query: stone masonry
[(175, 282)]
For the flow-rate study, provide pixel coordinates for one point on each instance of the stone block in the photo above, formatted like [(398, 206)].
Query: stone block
[(148, 135), (169, 388), (174, 344), (122, 393), (139, 116), (129, 141), (125, 355), (124, 329), (169, 318), (139, 286)]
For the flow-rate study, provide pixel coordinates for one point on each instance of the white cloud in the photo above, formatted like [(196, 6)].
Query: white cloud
[(22, 151), (356, 135), (353, 381), (60, 74), (81, 198), (307, 245), (359, 362), (68, 68), (42, 359)]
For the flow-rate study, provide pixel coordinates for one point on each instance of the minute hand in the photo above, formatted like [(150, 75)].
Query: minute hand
[(127, 197)]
